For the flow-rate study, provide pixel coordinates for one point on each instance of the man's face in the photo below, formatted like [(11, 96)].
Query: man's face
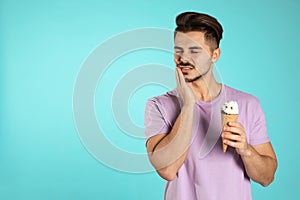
[(191, 54)]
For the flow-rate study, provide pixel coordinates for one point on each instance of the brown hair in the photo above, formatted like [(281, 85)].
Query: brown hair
[(192, 21)]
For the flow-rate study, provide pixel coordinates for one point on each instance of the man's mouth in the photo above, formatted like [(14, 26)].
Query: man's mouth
[(186, 70), (185, 67)]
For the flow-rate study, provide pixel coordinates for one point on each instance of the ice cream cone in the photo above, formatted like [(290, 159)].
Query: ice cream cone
[(225, 119)]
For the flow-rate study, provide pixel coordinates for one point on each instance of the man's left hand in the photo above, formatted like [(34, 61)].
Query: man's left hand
[(237, 139)]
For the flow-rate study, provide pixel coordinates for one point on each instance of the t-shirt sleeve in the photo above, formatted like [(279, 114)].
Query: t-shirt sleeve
[(258, 128), (154, 120)]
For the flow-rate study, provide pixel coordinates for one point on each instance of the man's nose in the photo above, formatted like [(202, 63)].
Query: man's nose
[(184, 58)]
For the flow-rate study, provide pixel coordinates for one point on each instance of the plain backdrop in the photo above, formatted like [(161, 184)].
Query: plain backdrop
[(43, 45)]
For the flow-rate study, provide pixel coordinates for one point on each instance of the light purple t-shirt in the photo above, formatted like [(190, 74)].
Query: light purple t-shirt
[(208, 173)]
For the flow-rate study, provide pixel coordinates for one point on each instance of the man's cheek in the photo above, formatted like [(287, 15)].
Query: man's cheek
[(176, 59)]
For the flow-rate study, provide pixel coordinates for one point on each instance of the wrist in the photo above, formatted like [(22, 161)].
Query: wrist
[(247, 152)]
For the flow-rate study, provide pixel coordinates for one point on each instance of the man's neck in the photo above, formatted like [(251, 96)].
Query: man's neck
[(206, 89)]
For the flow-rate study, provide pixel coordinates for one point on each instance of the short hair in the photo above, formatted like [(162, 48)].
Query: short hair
[(193, 21)]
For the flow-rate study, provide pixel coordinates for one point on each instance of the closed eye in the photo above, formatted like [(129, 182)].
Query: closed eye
[(195, 49), (178, 52)]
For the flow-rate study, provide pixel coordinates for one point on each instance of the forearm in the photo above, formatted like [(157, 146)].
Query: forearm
[(260, 168), (170, 152)]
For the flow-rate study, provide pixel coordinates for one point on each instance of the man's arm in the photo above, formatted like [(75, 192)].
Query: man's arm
[(259, 161), (167, 152)]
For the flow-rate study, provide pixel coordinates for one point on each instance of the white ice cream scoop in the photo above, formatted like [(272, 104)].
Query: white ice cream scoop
[(231, 108)]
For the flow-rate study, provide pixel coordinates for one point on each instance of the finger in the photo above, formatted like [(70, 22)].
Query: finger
[(231, 137), (230, 143), (234, 138), (235, 124), (236, 145), (181, 78), (234, 130), (177, 77)]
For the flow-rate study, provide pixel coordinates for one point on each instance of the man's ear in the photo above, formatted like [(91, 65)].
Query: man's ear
[(216, 55)]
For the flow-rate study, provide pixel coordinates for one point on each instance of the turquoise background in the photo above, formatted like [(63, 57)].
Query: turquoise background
[(42, 47)]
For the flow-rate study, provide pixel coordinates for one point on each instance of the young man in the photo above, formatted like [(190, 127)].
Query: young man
[(184, 129)]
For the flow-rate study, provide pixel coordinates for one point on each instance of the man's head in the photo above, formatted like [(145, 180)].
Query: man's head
[(197, 38), (192, 21)]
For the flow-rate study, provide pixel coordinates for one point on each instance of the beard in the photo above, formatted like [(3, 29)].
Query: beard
[(189, 80)]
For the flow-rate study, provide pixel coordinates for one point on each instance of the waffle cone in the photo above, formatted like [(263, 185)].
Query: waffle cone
[(225, 119)]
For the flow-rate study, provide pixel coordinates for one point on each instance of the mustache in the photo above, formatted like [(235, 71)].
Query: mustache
[(183, 64)]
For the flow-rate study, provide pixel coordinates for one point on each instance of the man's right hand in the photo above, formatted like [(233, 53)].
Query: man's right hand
[(184, 90)]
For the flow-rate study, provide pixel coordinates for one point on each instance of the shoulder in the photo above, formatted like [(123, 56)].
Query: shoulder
[(161, 111), (241, 97), (166, 106), (250, 111), (169, 99)]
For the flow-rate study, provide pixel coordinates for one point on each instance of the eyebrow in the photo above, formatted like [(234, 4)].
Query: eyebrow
[(179, 48), (195, 47), (191, 48)]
